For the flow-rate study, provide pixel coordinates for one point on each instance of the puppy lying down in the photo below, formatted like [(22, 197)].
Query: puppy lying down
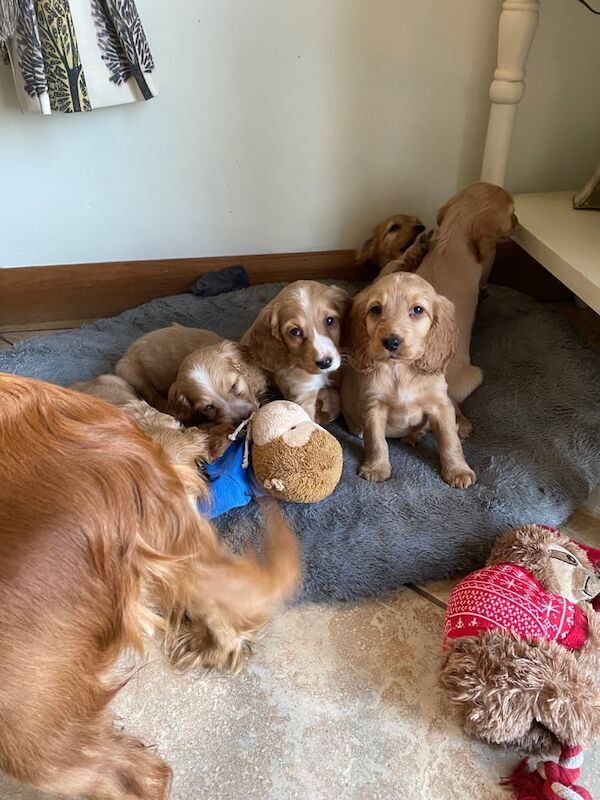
[(186, 448), (194, 374)]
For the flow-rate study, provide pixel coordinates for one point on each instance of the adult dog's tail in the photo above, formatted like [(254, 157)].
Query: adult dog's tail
[(237, 596)]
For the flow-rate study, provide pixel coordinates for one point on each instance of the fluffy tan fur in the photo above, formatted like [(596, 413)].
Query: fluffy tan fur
[(399, 392), (389, 239), (295, 338), (470, 225), (531, 693), (113, 551), (194, 375), (187, 448)]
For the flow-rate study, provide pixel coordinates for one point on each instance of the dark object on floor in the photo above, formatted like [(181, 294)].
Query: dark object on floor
[(221, 281), (535, 447)]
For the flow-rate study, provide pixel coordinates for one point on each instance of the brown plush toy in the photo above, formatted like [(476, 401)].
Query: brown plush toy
[(522, 654), (293, 458)]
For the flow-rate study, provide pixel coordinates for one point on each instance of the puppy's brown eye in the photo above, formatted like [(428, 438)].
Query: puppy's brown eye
[(209, 407), (393, 228), (416, 311), (235, 389), (376, 310), (295, 332), (330, 322)]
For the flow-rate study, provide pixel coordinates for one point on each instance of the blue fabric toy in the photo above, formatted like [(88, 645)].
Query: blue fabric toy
[(231, 485)]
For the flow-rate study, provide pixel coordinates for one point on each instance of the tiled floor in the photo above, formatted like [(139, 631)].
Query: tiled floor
[(340, 702)]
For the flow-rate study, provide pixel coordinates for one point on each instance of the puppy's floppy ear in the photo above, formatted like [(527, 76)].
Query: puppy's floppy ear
[(340, 299), (264, 341), (244, 361), (485, 234), (366, 251), (179, 404), (355, 338), (440, 344)]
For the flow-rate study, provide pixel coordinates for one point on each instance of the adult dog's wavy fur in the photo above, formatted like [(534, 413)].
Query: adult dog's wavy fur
[(98, 548)]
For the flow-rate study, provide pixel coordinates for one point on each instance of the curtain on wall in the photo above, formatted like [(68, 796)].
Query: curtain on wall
[(77, 55)]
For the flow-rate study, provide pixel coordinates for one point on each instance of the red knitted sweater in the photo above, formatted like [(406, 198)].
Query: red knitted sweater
[(509, 597)]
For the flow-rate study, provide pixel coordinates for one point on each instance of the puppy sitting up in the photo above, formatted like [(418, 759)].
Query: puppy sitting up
[(402, 336), (194, 374), (295, 339)]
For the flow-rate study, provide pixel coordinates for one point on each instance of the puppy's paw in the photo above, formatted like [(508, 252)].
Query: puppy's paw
[(414, 438), (464, 427), (459, 477), (375, 471)]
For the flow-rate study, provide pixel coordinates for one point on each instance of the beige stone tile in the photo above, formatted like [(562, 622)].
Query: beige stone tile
[(18, 336), (338, 703), (584, 526), (592, 507)]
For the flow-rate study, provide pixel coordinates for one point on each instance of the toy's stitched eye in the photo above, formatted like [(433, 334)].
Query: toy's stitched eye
[(416, 311), (376, 309), (393, 228), (295, 332), (209, 407), (330, 322)]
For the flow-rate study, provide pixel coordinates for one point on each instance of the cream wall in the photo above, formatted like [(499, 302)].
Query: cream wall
[(288, 125)]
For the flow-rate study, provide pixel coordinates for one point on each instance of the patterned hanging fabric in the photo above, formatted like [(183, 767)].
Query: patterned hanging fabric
[(77, 55)]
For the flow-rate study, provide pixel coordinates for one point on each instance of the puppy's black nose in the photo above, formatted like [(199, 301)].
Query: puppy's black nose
[(392, 342), (418, 228), (325, 363)]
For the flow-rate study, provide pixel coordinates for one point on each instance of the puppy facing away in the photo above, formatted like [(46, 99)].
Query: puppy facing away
[(295, 338), (194, 375), (401, 337), (99, 548), (389, 240), (186, 448), (470, 225)]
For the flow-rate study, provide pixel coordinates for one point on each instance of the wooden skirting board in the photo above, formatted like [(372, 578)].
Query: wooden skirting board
[(85, 291), (32, 295)]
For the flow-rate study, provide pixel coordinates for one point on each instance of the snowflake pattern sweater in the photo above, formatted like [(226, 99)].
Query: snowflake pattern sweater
[(508, 597)]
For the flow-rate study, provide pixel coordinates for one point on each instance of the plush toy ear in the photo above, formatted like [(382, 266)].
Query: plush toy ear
[(365, 252), (264, 340), (178, 404), (529, 547), (440, 344)]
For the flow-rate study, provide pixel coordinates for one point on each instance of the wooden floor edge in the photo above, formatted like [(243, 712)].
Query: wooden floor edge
[(48, 294)]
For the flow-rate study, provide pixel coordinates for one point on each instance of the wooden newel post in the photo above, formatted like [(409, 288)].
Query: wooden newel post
[(518, 22)]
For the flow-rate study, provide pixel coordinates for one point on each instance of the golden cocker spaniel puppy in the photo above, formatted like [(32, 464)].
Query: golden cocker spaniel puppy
[(295, 339), (389, 240), (194, 374), (401, 337)]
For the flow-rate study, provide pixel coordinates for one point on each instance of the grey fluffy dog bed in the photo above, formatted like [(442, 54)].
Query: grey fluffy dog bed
[(535, 447)]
